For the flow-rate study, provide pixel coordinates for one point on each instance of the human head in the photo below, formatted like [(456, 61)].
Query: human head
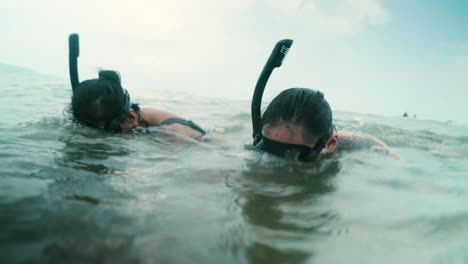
[(299, 119), (102, 102)]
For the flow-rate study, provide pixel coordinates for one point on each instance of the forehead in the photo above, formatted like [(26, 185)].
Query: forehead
[(289, 133)]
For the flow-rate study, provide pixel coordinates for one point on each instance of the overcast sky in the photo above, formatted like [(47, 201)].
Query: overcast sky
[(371, 56)]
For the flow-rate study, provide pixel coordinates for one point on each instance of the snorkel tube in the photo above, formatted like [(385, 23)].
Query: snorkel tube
[(73, 53), (274, 61)]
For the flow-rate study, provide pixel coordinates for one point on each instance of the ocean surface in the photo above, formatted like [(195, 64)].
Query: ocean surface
[(71, 194)]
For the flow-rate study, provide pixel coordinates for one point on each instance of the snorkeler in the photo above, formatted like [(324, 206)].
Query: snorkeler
[(103, 103), (297, 124)]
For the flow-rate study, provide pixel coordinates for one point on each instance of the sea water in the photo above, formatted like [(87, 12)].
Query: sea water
[(71, 194)]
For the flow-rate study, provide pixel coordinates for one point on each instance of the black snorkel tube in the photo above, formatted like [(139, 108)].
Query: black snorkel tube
[(274, 61), (73, 53)]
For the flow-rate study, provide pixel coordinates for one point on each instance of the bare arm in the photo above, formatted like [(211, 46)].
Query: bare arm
[(349, 141)]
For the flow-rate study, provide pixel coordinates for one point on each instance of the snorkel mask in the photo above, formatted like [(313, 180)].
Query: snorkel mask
[(112, 125), (292, 151), (288, 151)]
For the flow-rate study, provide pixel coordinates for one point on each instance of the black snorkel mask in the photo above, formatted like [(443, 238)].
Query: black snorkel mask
[(73, 54), (114, 124), (292, 151), (288, 151)]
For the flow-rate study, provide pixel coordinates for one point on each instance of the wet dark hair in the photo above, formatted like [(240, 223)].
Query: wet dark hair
[(300, 106), (101, 102)]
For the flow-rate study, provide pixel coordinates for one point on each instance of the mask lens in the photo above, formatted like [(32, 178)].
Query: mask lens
[(287, 151), (293, 151)]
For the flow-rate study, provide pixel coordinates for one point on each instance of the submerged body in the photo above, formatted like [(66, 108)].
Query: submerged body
[(298, 125), (338, 141), (149, 117), (103, 103)]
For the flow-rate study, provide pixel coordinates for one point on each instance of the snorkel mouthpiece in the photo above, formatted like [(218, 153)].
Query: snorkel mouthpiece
[(73, 53), (275, 60)]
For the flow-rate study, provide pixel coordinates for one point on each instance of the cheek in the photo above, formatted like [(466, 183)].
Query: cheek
[(126, 124), (311, 141)]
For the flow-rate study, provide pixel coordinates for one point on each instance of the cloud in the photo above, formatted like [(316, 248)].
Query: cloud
[(369, 11), (160, 18), (160, 36), (292, 7), (169, 19), (140, 17), (345, 16)]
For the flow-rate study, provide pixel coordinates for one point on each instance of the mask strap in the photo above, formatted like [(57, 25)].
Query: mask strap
[(114, 124)]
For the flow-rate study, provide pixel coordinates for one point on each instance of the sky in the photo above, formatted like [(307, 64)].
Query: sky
[(382, 57)]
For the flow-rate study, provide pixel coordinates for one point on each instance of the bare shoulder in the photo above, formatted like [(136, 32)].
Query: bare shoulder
[(156, 116), (350, 141)]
